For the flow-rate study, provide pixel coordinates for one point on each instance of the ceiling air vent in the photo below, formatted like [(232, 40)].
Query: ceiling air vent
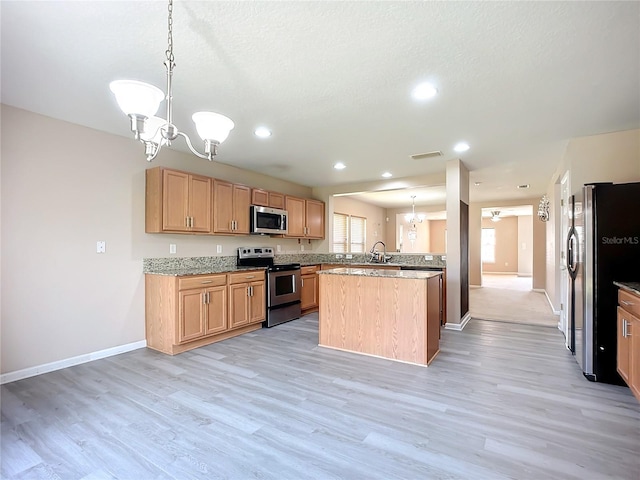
[(422, 156)]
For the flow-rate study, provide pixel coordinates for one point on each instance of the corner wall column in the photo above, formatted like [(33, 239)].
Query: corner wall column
[(457, 245)]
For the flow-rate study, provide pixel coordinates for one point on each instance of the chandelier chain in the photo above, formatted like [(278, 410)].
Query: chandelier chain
[(169, 51)]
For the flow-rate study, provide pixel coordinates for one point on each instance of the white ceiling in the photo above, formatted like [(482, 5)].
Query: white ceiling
[(332, 80)]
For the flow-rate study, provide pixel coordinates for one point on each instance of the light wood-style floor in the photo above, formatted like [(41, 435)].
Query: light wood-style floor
[(501, 401)]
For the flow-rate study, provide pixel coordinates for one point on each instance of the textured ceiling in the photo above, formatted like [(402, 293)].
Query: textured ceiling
[(332, 80)]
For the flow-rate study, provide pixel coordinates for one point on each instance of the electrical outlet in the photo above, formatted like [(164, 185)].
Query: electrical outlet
[(301, 247), (278, 248), (218, 248), (172, 248), (338, 255), (349, 256), (101, 247), (444, 257), (428, 257)]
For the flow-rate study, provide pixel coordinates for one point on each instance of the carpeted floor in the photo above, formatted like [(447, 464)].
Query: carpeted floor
[(509, 298)]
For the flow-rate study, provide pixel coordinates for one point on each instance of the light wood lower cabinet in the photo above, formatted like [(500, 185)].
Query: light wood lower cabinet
[(310, 289), (629, 340), (182, 313), (247, 301)]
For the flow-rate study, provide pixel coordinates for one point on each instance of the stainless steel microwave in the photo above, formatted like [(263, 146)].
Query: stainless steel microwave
[(265, 220)]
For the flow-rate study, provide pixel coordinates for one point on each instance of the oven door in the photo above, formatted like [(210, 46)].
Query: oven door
[(284, 287)]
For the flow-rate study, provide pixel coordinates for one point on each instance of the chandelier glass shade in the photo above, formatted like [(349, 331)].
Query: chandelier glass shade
[(412, 217), (140, 101), (495, 216)]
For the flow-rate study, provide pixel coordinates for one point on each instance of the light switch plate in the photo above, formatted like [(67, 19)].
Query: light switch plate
[(218, 248), (172, 248)]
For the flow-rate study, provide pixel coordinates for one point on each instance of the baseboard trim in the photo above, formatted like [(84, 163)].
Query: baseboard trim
[(458, 326), (69, 362), (555, 312)]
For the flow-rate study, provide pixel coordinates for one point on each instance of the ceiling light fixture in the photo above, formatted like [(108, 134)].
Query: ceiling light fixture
[(523, 186), (424, 91), (140, 101), (495, 216), (412, 217), (339, 166), (262, 132), (461, 147), (387, 175)]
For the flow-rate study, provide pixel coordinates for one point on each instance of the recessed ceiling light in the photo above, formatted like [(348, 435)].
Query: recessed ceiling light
[(525, 185), (387, 175), (339, 166), (461, 147), (262, 132), (424, 91)]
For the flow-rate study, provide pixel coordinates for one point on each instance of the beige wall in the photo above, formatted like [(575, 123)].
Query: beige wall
[(506, 245), (60, 195), (437, 236), (610, 157), (525, 245), (376, 224)]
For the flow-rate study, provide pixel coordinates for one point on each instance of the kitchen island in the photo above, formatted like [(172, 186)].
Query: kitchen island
[(393, 314)]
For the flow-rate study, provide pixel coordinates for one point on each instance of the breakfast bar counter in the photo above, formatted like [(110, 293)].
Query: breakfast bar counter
[(393, 314)]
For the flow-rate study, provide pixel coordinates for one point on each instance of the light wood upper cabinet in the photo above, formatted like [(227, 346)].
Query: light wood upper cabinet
[(306, 217), (265, 198), (231, 208), (177, 202)]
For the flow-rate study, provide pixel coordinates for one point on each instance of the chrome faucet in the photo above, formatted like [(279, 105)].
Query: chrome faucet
[(375, 255)]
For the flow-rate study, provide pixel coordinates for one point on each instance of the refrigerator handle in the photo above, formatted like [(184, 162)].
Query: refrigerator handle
[(572, 252)]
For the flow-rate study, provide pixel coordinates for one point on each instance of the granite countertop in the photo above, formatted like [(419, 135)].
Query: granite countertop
[(374, 272), (633, 287), (210, 270)]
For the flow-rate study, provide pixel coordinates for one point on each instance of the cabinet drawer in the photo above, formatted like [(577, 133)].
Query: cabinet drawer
[(201, 281), (308, 269), (629, 301), (244, 277)]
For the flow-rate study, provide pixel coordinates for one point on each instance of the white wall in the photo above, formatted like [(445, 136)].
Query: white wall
[(61, 194)]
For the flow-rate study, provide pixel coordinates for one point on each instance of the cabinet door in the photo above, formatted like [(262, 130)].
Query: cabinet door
[(241, 203), (623, 344), (222, 206), (257, 302), (259, 197), (276, 200), (634, 356), (315, 219), (238, 305), (309, 292), (191, 324), (175, 200), (216, 310), (296, 208), (200, 203)]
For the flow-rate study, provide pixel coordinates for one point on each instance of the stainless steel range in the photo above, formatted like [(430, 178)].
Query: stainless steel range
[(284, 283)]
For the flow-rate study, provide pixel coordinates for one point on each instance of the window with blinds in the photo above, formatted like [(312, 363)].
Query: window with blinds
[(340, 233), (349, 233), (358, 228)]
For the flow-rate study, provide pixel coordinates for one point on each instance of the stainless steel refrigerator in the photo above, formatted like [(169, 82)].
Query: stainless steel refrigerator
[(603, 246)]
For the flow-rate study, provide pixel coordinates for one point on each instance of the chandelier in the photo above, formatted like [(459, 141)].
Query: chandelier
[(495, 216), (543, 209), (140, 101), (412, 217)]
